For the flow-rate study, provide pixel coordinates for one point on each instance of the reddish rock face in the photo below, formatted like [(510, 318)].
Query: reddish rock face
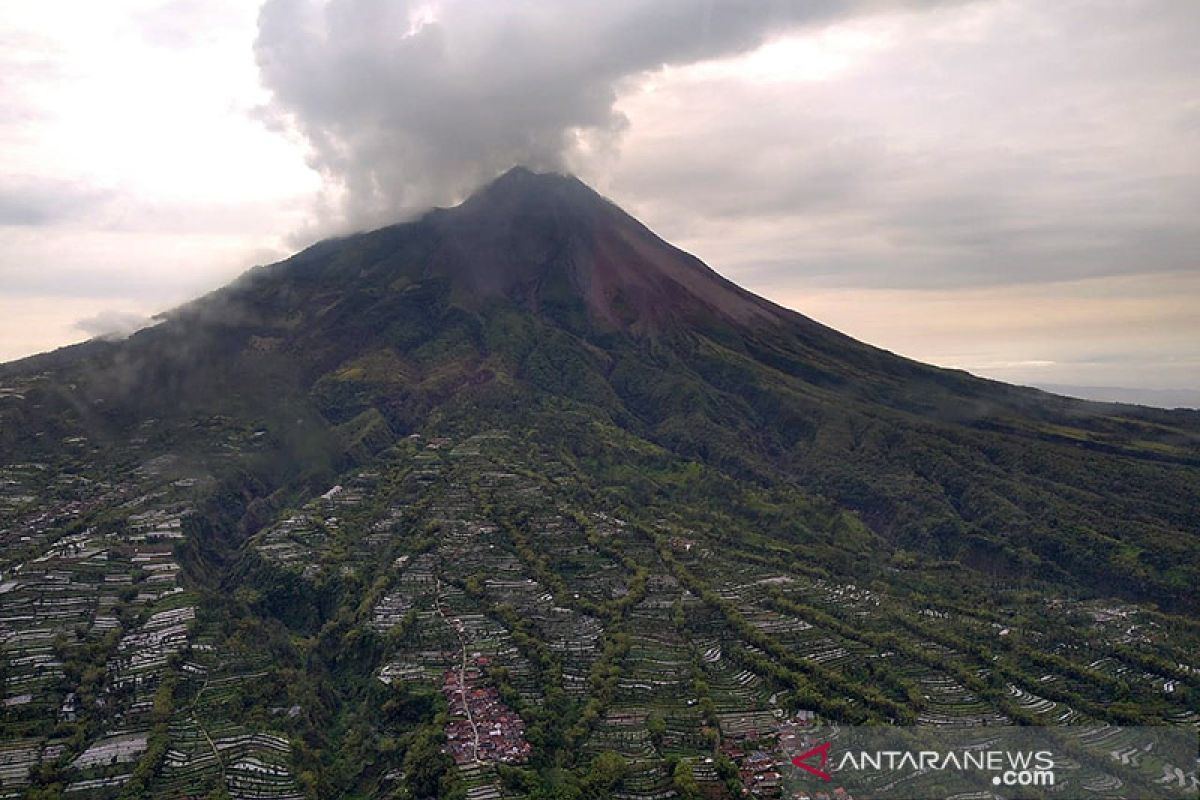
[(543, 238)]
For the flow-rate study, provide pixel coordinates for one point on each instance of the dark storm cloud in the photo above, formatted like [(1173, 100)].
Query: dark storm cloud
[(405, 104)]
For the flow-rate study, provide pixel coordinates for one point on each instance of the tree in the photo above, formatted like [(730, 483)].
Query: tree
[(606, 772), (656, 726), (425, 763), (685, 781)]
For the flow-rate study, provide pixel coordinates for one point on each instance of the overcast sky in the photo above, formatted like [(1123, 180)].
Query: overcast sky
[(1007, 186)]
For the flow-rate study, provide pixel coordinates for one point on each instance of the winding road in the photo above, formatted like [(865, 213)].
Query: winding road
[(456, 626)]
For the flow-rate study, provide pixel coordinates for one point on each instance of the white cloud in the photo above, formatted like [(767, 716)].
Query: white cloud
[(997, 143), (113, 324)]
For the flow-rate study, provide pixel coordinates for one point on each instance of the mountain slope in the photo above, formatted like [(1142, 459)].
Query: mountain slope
[(529, 428), (537, 288)]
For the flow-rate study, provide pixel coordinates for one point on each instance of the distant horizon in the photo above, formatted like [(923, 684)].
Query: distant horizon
[(1169, 399)]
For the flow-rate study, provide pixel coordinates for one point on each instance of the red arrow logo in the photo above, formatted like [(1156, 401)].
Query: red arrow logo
[(821, 750)]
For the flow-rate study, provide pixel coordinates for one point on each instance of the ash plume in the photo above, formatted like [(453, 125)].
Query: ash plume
[(409, 104)]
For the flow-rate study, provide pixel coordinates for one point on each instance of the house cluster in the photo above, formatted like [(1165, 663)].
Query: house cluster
[(485, 728), (837, 793), (762, 752), (759, 769)]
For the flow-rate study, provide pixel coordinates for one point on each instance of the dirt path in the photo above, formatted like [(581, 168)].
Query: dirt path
[(462, 668), (216, 753)]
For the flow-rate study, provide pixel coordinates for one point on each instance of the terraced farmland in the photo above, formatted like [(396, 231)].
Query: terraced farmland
[(466, 614)]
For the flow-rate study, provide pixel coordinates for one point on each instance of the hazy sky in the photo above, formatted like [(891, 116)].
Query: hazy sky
[(1006, 186)]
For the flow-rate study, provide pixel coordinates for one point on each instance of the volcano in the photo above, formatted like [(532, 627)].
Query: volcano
[(524, 454)]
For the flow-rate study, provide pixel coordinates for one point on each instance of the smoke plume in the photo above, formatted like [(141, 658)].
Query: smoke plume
[(408, 104)]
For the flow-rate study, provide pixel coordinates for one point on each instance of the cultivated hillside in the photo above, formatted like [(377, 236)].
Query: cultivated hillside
[(523, 451)]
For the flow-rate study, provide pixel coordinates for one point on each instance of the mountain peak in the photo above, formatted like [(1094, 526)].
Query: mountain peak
[(525, 178), (545, 238), (523, 191)]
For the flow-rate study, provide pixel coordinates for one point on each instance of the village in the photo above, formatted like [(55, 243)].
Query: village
[(494, 590), (486, 729)]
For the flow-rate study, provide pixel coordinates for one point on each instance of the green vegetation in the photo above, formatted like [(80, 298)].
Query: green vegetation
[(354, 527)]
